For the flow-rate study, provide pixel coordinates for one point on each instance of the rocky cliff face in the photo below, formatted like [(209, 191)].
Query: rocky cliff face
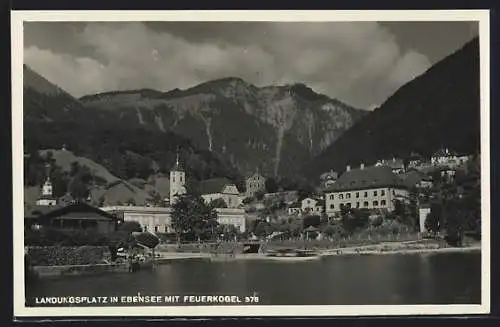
[(274, 128)]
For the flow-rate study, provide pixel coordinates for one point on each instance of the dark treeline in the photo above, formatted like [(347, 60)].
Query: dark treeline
[(126, 152)]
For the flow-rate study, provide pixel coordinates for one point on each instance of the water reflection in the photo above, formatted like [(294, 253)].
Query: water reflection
[(449, 278)]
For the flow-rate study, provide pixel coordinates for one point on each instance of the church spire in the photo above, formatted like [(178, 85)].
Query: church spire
[(47, 173), (177, 166)]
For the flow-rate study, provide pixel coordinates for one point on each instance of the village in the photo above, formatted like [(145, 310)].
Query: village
[(379, 190)]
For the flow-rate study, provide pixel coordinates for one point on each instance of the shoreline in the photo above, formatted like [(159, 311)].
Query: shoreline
[(165, 258), (379, 249)]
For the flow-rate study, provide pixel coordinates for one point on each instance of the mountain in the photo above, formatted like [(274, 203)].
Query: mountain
[(53, 119), (273, 128), (440, 108)]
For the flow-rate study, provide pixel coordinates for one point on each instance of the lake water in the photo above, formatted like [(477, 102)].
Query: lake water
[(445, 278)]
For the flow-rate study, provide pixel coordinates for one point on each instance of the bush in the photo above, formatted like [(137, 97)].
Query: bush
[(66, 255), (51, 236)]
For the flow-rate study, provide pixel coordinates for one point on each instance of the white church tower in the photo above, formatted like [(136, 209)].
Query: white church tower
[(47, 198), (177, 181)]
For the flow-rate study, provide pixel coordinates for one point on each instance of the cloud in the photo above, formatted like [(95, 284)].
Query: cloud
[(357, 62)]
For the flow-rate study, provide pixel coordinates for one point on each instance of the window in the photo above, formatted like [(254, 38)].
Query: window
[(332, 206), (365, 204), (348, 205), (332, 197), (366, 194), (375, 203), (382, 203), (382, 193), (348, 195), (173, 179), (308, 201), (156, 229), (357, 204), (357, 194), (374, 193), (341, 196)]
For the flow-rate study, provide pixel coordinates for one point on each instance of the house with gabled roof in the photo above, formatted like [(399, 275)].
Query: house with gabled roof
[(417, 179), (254, 183), (75, 216), (375, 187), (445, 157), (295, 209), (312, 206), (219, 188), (397, 165)]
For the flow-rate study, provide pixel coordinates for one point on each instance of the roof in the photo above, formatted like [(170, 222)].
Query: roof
[(213, 185), (366, 178), (415, 155), (393, 163), (120, 192), (255, 175), (32, 211), (444, 153), (177, 166), (414, 177), (78, 209), (329, 175)]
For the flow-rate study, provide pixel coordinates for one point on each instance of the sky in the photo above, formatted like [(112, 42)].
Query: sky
[(359, 63)]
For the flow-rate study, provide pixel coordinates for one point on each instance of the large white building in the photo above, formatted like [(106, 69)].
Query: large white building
[(151, 219), (159, 219), (232, 216), (365, 188)]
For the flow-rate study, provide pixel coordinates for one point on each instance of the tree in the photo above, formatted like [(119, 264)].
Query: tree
[(432, 222), (192, 215), (247, 200), (313, 220), (271, 185), (229, 231), (218, 203), (259, 195), (261, 229), (130, 226), (329, 231), (353, 219), (154, 198), (78, 189)]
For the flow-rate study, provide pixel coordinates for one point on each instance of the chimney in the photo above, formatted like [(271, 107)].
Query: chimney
[(393, 159), (362, 166), (348, 168)]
